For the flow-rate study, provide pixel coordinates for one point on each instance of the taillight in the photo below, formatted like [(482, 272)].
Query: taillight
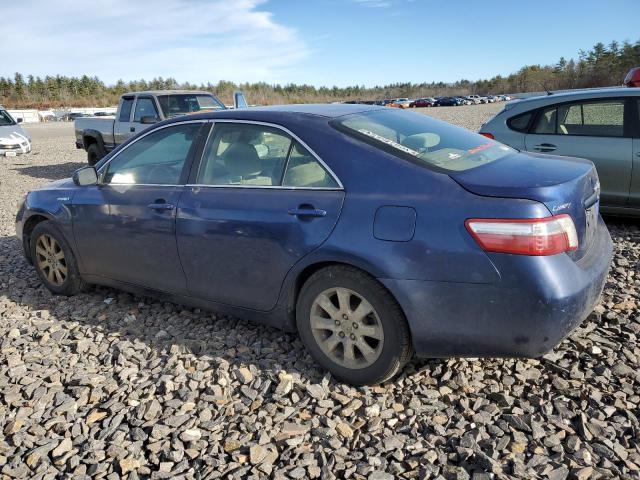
[(488, 135), (531, 236)]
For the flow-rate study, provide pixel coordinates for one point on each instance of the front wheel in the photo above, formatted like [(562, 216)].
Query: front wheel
[(94, 154), (54, 261), (352, 326)]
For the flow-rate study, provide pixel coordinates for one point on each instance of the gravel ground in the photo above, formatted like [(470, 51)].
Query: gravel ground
[(107, 385)]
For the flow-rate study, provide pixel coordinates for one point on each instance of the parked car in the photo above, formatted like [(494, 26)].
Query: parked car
[(71, 116), (474, 99), (448, 102), (399, 103), (602, 125), (136, 111), (104, 114), (464, 101), (422, 102), (360, 227), (13, 139)]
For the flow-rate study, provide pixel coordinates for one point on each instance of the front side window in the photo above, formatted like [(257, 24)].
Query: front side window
[(422, 140), (145, 108), (155, 159), (244, 154), (603, 118), (125, 110), (5, 118)]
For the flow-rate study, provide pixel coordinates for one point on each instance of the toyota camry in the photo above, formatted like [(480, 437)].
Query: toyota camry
[(374, 233)]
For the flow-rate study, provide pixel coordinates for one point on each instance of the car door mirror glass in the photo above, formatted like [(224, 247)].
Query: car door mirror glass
[(85, 176), (148, 119)]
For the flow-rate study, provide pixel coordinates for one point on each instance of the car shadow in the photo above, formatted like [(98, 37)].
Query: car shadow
[(166, 328), (49, 172)]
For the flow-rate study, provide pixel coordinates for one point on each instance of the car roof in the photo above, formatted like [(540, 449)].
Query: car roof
[(168, 92), (557, 97), (327, 110)]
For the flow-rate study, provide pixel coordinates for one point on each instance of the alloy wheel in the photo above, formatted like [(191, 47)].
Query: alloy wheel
[(347, 328), (51, 260)]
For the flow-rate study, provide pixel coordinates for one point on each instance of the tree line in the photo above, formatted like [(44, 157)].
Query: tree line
[(602, 65)]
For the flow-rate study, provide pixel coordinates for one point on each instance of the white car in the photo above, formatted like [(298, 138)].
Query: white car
[(13, 139)]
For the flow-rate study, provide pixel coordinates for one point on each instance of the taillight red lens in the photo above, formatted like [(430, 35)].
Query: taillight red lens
[(531, 236), (488, 135)]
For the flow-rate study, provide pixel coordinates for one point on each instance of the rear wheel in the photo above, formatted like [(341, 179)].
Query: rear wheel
[(352, 326), (94, 154), (55, 263)]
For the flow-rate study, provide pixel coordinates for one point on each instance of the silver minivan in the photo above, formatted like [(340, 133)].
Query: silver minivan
[(602, 125)]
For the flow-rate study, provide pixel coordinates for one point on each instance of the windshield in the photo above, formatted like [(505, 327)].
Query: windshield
[(182, 104), (422, 139), (5, 118)]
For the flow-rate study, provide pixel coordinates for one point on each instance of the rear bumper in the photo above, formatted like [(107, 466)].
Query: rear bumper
[(537, 303)]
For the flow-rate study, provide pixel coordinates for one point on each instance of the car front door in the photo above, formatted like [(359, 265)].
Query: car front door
[(125, 226), (122, 124), (145, 107), (592, 129), (259, 201)]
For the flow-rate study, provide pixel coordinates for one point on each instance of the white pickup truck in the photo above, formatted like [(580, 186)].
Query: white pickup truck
[(136, 111)]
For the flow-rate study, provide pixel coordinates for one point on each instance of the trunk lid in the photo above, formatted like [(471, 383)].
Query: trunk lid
[(562, 184)]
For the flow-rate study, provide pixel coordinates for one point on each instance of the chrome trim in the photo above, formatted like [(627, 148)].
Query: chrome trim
[(270, 187), (288, 132)]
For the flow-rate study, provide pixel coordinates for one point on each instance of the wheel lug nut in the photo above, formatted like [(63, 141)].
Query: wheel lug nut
[(345, 316), (337, 323), (355, 325), (341, 334), (352, 336)]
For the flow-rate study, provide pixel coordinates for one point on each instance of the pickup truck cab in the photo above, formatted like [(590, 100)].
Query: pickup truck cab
[(136, 111)]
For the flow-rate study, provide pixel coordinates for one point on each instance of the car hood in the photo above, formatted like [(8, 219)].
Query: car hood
[(64, 183), (13, 134)]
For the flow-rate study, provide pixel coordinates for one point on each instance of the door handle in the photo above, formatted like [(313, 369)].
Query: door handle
[(545, 147), (161, 206), (132, 129), (307, 212)]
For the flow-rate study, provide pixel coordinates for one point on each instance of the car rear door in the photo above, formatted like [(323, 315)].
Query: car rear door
[(125, 226), (594, 129), (145, 107), (259, 201)]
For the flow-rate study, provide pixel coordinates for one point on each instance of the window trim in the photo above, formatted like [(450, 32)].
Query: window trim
[(293, 136), (104, 167), (626, 124)]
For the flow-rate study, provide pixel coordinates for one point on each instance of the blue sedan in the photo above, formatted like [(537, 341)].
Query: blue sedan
[(375, 233)]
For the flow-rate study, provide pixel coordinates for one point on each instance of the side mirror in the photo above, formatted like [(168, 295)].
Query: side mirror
[(18, 120), (148, 119), (85, 176), (239, 101)]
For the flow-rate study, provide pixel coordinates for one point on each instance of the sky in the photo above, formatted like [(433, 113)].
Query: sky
[(317, 42)]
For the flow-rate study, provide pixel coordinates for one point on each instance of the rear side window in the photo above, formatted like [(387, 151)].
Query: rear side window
[(125, 110), (590, 118), (520, 123), (303, 170)]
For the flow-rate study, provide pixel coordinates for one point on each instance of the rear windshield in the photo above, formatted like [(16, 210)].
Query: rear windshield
[(422, 139), (5, 118), (182, 104)]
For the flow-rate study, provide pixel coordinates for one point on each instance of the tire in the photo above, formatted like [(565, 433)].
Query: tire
[(391, 350), (94, 154), (61, 252)]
